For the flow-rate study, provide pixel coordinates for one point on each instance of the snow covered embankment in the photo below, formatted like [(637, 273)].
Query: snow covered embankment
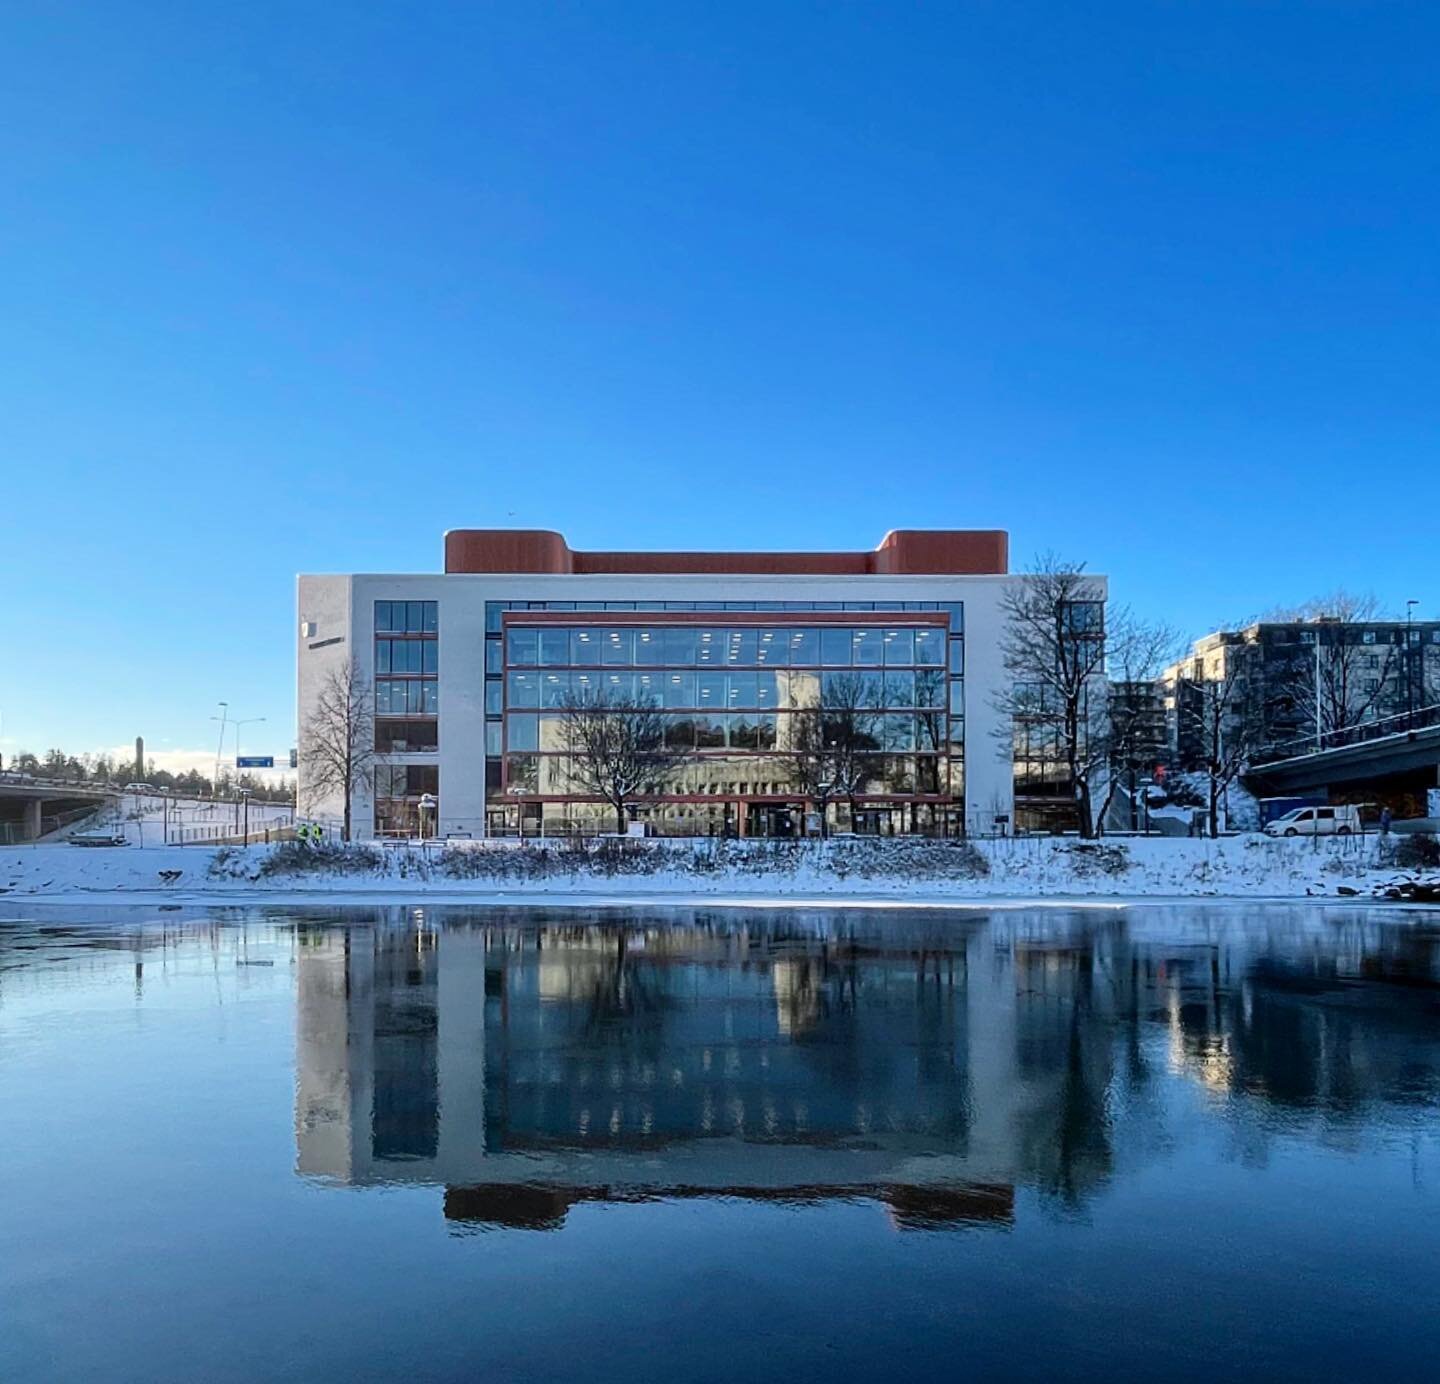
[(1239, 867)]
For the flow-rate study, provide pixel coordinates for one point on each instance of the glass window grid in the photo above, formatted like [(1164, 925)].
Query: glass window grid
[(407, 617), (949, 770), (683, 647), (410, 656)]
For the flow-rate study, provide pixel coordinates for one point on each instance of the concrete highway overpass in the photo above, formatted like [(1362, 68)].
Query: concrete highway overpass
[(29, 811), (1389, 764)]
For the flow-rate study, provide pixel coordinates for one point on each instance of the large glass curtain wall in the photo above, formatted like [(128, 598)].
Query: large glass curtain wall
[(730, 695)]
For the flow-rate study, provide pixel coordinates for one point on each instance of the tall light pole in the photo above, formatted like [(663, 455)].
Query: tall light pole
[(220, 748), (1410, 665)]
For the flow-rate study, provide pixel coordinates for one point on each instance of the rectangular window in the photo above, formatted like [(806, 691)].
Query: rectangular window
[(522, 731), (709, 732), (522, 648), (957, 697), (382, 617), (680, 690), (406, 737), (554, 689), (617, 648), (492, 738), (835, 648), (957, 657), (554, 646), (679, 648), (804, 648), (709, 647), (522, 772), (494, 697), (649, 649), (957, 615), (929, 687), (494, 657), (740, 690), (772, 649), (867, 648), (930, 647), (649, 689), (523, 691), (382, 655), (584, 648), (902, 647), (710, 691), (899, 689)]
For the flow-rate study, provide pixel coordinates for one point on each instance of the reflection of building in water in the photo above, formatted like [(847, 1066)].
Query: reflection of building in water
[(935, 1066), (625, 1062)]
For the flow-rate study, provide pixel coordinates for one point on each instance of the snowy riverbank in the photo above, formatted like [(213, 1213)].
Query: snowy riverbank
[(894, 870)]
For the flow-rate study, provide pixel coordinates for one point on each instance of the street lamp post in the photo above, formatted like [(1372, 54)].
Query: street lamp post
[(1409, 664), (220, 748)]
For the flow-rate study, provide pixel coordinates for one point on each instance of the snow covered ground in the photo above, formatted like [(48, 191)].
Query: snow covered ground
[(1246, 867)]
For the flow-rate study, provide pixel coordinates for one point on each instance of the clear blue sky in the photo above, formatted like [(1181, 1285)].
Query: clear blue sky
[(295, 287)]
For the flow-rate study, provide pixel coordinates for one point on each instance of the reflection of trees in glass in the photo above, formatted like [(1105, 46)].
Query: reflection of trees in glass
[(832, 737), (617, 748)]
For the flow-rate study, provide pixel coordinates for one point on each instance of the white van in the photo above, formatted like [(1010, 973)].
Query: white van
[(1341, 820)]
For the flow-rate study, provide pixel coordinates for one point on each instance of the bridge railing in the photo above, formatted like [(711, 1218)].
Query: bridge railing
[(1422, 718)]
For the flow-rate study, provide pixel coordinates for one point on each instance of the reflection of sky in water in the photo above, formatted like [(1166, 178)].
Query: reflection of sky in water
[(1166, 1118)]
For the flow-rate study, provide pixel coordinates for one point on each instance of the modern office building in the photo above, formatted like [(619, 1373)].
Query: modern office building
[(475, 671)]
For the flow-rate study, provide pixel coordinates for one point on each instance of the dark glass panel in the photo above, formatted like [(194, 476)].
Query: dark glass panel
[(867, 648), (772, 648), (522, 731), (521, 647), (930, 647), (554, 647), (804, 648), (649, 648), (679, 689), (522, 773), (523, 691), (679, 648), (835, 647), (617, 649)]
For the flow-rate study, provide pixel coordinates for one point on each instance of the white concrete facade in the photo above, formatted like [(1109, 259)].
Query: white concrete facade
[(336, 622)]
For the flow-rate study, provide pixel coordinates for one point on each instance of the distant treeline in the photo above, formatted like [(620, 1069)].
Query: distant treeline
[(104, 769)]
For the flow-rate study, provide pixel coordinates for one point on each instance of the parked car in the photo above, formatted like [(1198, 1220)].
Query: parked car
[(140, 788), (1341, 820)]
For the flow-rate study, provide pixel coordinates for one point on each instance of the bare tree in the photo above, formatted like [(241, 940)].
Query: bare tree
[(618, 748), (1338, 681), (1137, 652), (337, 741), (1053, 647), (1212, 705), (832, 742)]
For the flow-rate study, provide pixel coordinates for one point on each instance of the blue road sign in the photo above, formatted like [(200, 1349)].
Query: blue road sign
[(255, 761)]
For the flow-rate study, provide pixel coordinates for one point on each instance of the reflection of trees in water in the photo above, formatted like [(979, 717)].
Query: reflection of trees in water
[(871, 1029)]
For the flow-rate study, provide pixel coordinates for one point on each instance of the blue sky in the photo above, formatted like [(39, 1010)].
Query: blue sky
[(295, 287)]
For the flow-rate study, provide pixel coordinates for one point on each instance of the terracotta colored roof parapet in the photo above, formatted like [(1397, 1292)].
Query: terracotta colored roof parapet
[(902, 552)]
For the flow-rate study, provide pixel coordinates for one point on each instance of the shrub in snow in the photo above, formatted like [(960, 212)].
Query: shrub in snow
[(1087, 860), (299, 858), (1419, 851)]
